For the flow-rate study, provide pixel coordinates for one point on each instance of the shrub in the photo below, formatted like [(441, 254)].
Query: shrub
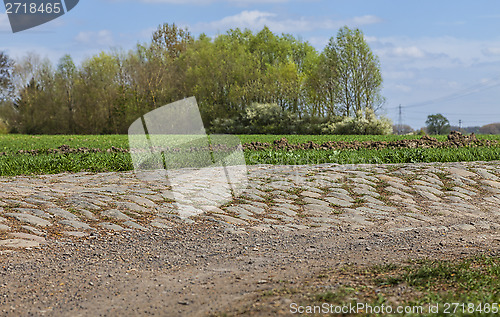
[(270, 118), (258, 118), (365, 124)]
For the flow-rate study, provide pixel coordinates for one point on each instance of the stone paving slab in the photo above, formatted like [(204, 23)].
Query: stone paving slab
[(397, 197)]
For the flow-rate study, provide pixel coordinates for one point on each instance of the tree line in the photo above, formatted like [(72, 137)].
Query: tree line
[(244, 82)]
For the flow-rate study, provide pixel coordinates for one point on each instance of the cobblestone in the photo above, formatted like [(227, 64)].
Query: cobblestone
[(465, 197)]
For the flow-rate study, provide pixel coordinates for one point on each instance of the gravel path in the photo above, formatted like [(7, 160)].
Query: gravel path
[(111, 244)]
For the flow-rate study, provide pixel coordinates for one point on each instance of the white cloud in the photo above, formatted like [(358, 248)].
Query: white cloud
[(99, 38), (366, 19), (438, 52), (491, 51), (245, 19), (256, 19), (411, 52)]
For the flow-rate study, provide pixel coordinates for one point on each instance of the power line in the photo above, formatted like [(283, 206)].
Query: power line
[(491, 83), (459, 114)]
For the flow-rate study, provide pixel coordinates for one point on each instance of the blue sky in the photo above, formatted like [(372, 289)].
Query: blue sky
[(436, 56)]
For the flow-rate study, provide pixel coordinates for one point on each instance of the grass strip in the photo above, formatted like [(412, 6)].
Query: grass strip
[(25, 164)]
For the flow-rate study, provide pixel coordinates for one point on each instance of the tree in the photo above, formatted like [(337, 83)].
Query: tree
[(358, 70), (6, 93), (229, 75), (492, 128), (65, 78), (37, 108), (96, 91), (437, 124), (170, 41), (6, 85)]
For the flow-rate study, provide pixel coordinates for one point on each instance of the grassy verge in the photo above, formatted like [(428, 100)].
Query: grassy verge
[(11, 143), (25, 164), (19, 164), (384, 156), (467, 287), (13, 163)]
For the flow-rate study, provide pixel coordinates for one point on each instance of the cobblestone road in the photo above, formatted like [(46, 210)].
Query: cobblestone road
[(397, 197)]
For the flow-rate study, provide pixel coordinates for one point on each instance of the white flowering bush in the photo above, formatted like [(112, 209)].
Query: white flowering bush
[(365, 123)]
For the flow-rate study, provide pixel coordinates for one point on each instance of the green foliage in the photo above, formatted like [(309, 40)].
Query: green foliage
[(369, 156), (14, 142), (230, 75), (170, 41), (13, 163), (357, 69), (367, 124), (59, 163), (6, 84), (437, 124), (268, 119), (473, 281)]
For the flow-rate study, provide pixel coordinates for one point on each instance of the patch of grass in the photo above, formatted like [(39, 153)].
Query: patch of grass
[(333, 297), (13, 164), (474, 280), (279, 291), (294, 191), (442, 176), (300, 202), (59, 163), (371, 156), (425, 282), (359, 201), (381, 185)]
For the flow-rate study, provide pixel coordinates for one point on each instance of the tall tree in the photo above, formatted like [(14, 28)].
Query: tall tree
[(358, 71), (6, 69), (95, 93), (37, 107), (65, 80), (170, 40)]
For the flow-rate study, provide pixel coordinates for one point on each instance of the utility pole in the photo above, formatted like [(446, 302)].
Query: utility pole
[(460, 125), (400, 121)]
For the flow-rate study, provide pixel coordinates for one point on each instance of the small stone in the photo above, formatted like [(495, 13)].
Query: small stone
[(77, 234), (134, 225), (76, 224), (33, 220), (19, 243), (232, 220), (111, 226), (115, 214), (27, 236)]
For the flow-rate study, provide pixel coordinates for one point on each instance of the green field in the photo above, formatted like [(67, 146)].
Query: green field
[(13, 163), (12, 143)]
